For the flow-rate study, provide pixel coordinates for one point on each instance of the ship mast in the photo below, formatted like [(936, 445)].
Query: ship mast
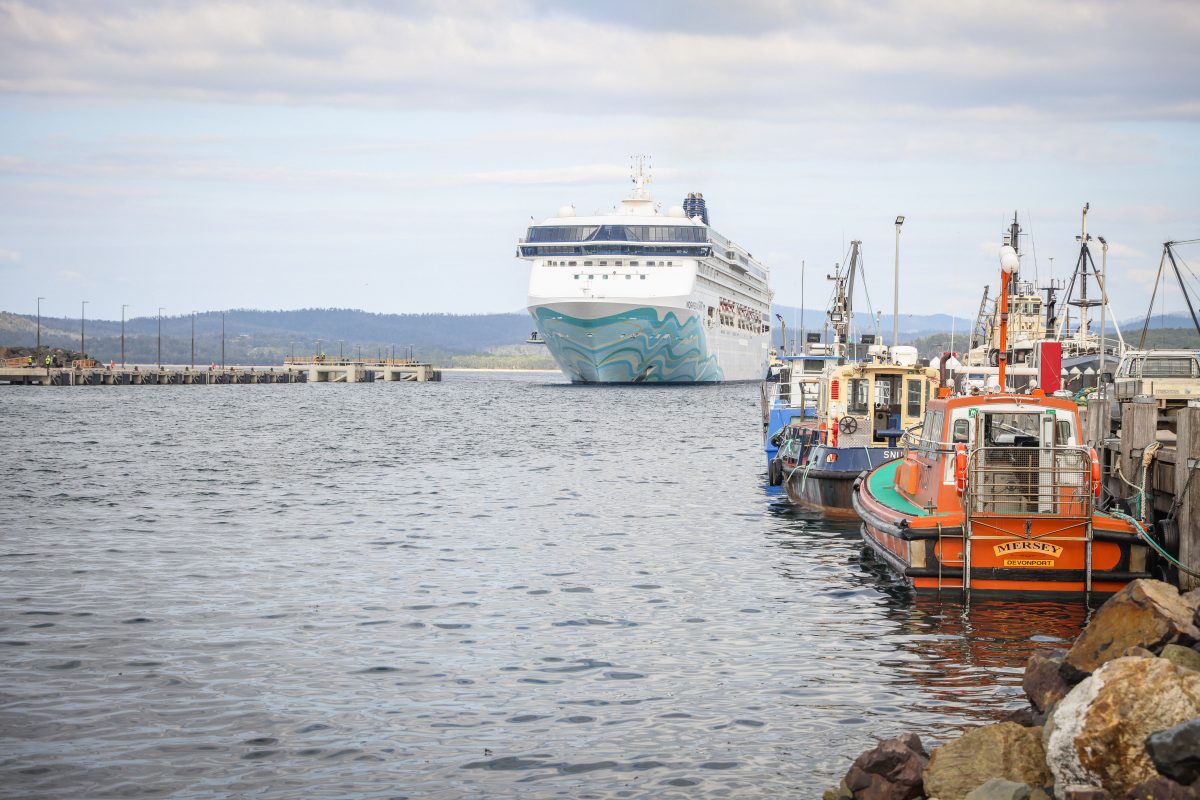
[(1009, 263), (841, 310)]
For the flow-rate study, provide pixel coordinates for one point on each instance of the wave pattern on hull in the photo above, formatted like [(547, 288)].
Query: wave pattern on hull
[(633, 346)]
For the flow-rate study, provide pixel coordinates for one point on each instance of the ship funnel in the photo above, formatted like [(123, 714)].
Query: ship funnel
[(693, 206)]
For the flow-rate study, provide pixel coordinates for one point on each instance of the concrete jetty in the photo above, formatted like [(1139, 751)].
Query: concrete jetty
[(294, 370)]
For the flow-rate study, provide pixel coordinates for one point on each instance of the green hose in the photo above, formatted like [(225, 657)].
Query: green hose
[(1149, 540)]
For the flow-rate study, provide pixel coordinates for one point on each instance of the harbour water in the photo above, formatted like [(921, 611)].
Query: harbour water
[(498, 585)]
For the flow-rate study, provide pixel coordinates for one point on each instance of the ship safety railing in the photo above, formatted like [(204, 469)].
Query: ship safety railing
[(1029, 481)]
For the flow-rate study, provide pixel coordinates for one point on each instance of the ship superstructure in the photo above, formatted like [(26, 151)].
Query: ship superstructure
[(635, 295)]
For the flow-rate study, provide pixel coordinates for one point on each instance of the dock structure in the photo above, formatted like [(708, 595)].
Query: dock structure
[(314, 370), (324, 369), (1150, 458)]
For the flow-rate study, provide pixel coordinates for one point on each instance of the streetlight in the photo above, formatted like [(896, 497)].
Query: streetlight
[(82, 318), (340, 343), (896, 293), (123, 307), (39, 322), (160, 337), (318, 347), (193, 338), (222, 340)]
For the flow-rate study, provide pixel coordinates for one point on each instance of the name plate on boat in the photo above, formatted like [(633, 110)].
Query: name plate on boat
[(1028, 546)]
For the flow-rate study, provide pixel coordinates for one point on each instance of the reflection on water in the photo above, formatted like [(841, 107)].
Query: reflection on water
[(493, 586)]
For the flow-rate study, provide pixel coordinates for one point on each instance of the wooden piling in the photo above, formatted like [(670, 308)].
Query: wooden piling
[(1187, 493), (1139, 429)]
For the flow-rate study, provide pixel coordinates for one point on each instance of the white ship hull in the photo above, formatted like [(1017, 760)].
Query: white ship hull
[(627, 342)]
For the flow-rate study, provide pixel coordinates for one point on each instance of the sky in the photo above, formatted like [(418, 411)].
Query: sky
[(388, 155)]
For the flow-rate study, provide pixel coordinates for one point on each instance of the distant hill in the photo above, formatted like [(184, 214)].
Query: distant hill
[(265, 337)]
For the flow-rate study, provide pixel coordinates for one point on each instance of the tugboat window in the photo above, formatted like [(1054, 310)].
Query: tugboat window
[(857, 396), (914, 398)]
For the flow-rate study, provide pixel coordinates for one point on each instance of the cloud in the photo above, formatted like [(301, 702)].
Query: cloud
[(765, 59), (9, 256)]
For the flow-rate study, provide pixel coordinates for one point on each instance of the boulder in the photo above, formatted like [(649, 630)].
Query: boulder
[(1145, 613), (889, 771), (1161, 788), (1097, 733), (840, 793), (1175, 752), (1080, 792), (1043, 682), (1005, 750), (1000, 789), (1182, 656), (1137, 651)]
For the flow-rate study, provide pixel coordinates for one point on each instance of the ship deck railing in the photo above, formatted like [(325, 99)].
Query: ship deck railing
[(1021, 481)]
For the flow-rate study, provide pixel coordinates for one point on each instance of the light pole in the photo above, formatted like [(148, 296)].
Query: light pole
[(318, 348), (82, 322), (123, 307), (39, 322), (222, 340), (896, 294), (160, 337), (340, 343), (1103, 304), (193, 338)]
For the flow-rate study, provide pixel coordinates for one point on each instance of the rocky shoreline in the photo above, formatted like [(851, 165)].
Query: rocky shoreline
[(1115, 717)]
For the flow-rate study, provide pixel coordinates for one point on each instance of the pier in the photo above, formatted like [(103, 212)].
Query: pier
[(294, 370), (1151, 450), (323, 369)]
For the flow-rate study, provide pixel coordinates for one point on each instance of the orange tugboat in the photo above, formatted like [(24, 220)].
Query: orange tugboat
[(996, 493)]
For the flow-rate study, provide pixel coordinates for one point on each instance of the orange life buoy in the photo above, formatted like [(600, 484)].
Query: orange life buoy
[(1095, 473), (960, 467), (833, 433)]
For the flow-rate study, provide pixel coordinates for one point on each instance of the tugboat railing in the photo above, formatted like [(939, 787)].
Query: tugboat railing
[(1029, 481)]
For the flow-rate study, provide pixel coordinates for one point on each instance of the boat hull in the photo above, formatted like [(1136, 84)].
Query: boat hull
[(828, 487), (630, 344), (1008, 555)]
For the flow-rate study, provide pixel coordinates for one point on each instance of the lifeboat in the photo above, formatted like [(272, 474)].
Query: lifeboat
[(997, 493)]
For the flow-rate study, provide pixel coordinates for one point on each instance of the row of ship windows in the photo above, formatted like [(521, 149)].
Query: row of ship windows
[(712, 274), (720, 287), (605, 277), (736, 315), (605, 264)]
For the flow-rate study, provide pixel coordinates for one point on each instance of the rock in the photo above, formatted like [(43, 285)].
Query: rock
[(889, 771), (1097, 733), (1182, 656), (1005, 750), (1000, 789), (840, 793), (1078, 792), (1145, 613), (1175, 752), (1161, 788), (1026, 717), (1137, 651), (1043, 682)]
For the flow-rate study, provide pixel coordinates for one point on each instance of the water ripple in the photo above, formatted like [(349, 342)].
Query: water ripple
[(500, 585)]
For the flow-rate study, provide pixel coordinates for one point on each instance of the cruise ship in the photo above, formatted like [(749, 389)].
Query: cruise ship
[(635, 295)]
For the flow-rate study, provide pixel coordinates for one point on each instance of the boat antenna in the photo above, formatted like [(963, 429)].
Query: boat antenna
[(1008, 267)]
